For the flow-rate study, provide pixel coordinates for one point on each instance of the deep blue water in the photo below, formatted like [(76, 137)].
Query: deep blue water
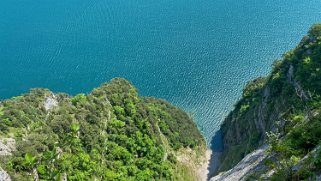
[(197, 54)]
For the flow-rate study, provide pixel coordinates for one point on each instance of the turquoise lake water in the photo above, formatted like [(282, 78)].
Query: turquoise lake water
[(197, 54)]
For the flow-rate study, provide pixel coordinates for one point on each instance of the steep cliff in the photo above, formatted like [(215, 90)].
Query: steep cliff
[(282, 111)]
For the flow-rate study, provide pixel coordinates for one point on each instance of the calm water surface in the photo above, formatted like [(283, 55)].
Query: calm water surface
[(197, 54)]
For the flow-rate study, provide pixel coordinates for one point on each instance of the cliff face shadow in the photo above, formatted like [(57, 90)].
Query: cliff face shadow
[(216, 146)]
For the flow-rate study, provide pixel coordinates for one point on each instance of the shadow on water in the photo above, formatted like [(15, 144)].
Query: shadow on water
[(216, 146)]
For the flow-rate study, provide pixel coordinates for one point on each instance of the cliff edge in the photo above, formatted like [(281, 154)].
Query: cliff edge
[(280, 111)]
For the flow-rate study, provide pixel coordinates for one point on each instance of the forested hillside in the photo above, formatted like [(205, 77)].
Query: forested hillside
[(109, 134), (281, 111)]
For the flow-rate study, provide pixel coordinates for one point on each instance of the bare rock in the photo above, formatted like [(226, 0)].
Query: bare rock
[(244, 167), (4, 175), (51, 102), (7, 145)]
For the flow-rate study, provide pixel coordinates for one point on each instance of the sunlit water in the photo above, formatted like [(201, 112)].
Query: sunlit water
[(197, 54)]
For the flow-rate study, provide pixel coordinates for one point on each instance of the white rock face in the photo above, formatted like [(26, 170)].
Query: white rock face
[(51, 102), (244, 167), (7, 145), (4, 176)]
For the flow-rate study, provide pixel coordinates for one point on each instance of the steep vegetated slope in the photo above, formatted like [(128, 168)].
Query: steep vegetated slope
[(109, 134), (282, 111)]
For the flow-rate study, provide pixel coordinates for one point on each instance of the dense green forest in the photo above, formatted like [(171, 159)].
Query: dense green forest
[(281, 110), (109, 134)]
